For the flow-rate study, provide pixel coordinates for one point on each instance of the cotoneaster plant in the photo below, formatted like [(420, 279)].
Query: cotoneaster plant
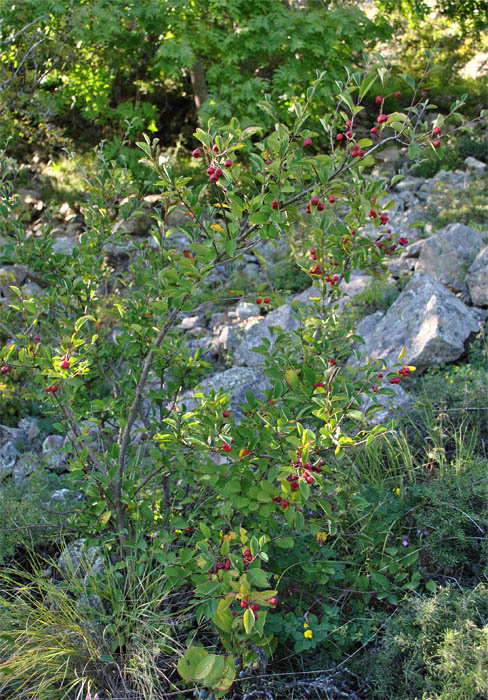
[(209, 494)]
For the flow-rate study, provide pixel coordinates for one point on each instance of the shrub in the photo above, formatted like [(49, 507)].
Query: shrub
[(434, 648), (218, 497)]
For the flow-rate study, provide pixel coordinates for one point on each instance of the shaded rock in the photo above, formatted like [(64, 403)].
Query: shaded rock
[(393, 406), (25, 466), (136, 225), (235, 381), (477, 279), (427, 319), (246, 309), (282, 317), (11, 275), (51, 452), (447, 255), (307, 295), (367, 326), (474, 164), (8, 457), (80, 561), (65, 244), (409, 184)]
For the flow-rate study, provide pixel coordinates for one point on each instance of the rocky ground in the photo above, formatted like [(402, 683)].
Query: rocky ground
[(441, 278)]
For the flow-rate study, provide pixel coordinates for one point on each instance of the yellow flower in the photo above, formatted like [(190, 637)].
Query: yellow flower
[(305, 626), (451, 381), (308, 634), (397, 491)]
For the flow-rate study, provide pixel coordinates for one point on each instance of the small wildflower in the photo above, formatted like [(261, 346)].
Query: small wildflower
[(405, 542), (396, 491), (305, 626), (308, 634)]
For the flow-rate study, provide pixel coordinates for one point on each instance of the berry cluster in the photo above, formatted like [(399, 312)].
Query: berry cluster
[(54, 388), (221, 564)]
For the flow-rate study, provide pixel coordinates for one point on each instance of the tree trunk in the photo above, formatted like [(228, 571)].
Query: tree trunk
[(198, 83)]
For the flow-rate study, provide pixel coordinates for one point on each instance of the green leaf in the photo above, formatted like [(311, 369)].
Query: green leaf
[(188, 663), (210, 669), (248, 621), (366, 85)]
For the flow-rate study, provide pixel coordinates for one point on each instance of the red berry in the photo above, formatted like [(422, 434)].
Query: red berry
[(37, 338), (219, 172), (374, 130), (247, 553), (332, 199), (64, 364), (266, 300), (315, 200), (320, 206), (285, 504), (333, 361), (313, 251), (196, 153), (225, 414), (380, 375), (227, 162), (349, 134), (382, 118), (339, 137), (259, 300), (378, 99), (269, 161), (395, 380), (397, 94), (274, 204), (373, 214), (315, 386), (436, 143), (273, 601), (307, 209), (437, 131), (210, 170), (375, 389), (379, 244), (254, 607), (54, 388), (307, 141), (226, 447), (244, 604), (403, 241), (5, 369), (348, 124), (215, 148), (214, 177)]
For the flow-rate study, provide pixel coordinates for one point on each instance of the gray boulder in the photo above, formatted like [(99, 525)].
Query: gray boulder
[(8, 457), (477, 279), (235, 381), (25, 466), (77, 560), (54, 459), (427, 319), (447, 255), (283, 317)]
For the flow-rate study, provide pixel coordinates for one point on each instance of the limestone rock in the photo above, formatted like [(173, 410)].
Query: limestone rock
[(235, 381), (447, 255), (282, 316), (474, 164), (26, 465), (477, 279), (8, 457), (79, 560), (51, 451), (427, 319)]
